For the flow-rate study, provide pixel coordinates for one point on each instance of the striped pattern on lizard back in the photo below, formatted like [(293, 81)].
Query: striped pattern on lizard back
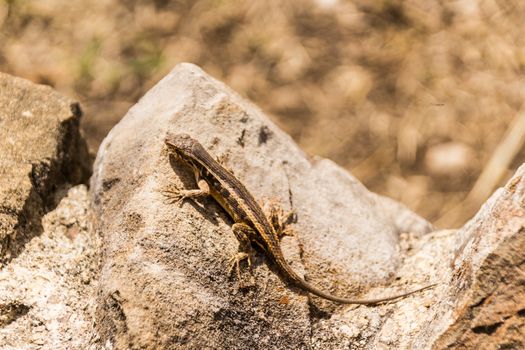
[(238, 202)]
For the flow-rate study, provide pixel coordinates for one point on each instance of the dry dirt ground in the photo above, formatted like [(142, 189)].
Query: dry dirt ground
[(421, 100)]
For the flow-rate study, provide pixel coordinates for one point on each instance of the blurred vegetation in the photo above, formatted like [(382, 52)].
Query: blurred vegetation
[(413, 97)]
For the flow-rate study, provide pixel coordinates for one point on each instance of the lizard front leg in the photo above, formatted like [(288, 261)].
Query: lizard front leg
[(178, 196)]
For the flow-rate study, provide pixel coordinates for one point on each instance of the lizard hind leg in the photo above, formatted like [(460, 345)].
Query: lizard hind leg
[(235, 263), (243, 233), (280, 220), (222, 159)]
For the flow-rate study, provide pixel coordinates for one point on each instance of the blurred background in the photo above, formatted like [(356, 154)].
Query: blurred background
[(420, 99)]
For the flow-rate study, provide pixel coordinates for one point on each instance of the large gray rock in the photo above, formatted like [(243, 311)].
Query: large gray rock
[(164, 280), (49, 259), (40, 151)]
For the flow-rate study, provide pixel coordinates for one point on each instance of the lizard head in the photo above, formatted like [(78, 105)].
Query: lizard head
[(181, 145), (186, 148)]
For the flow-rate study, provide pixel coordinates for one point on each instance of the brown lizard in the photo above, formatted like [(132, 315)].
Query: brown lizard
[(251, 225)]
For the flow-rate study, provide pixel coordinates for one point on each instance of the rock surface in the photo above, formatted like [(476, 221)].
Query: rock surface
[(41, 150), (49, 259), (164, 277), (162, 281), (484, 306), (47, 293)]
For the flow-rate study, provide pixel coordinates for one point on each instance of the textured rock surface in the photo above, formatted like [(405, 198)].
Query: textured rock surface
[(41, 149), (49, 260), (485, 305), (47, 292), (164, 276)]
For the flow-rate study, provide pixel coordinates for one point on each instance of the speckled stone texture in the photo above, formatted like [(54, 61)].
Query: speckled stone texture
[(40, 150)]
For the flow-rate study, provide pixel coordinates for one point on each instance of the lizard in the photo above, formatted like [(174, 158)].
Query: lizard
[(251, 225)]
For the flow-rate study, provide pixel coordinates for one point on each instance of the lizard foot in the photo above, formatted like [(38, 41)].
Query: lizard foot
[(280, 220), (174, 195), (222, 159), (235, 263)]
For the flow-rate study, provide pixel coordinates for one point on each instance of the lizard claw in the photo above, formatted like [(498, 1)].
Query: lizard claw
[(235, 262), (174, 196), (288, 231), (280, 220), (222, 161)]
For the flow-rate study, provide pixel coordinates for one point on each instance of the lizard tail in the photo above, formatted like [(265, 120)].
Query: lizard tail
[(316, 291), (300, 282)]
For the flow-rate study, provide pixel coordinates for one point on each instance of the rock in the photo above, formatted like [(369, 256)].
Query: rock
[(483, 306), (479, 300), (164, 280), (40, 151), (50, 260), (47, 292)]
